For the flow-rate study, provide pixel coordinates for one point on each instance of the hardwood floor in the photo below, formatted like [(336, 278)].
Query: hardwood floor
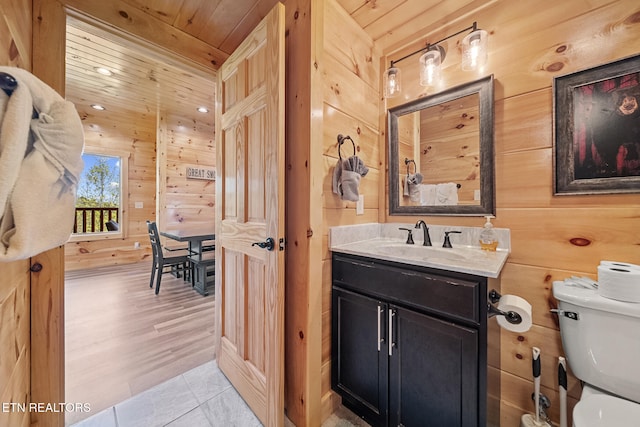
[(122, 339)]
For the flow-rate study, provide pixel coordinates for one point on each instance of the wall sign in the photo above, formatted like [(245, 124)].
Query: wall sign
[(206, 173)]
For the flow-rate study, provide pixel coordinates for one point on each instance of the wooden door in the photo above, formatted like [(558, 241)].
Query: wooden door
[(250, 209)]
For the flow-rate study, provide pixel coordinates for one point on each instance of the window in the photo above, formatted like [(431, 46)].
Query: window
[(101, 196)]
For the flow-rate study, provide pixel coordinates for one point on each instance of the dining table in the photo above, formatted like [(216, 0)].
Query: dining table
[(203, 261), (194, 238)]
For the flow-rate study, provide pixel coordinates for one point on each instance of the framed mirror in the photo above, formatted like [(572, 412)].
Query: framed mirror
[(441, 153)]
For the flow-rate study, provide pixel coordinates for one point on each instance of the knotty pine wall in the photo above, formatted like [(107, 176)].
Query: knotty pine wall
[(15, 298), (529, 44), (188, 203), (350, 69), (135, 135)]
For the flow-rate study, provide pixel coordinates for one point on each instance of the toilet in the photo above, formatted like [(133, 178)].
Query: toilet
[(601, 340)]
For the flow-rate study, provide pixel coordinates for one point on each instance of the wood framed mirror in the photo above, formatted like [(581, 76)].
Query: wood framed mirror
[(441, 155)]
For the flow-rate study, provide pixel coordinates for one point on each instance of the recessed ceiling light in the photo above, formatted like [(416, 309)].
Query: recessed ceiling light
[(98, 107), (103, 71), (203, 109)]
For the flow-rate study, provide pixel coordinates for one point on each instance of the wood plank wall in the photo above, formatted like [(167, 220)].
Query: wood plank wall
[(135, 136), (350, 91), (189, 203), (15, 298), (529, 44)]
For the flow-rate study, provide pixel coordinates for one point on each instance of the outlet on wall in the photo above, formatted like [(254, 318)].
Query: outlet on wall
[(139, 205), (136, 245)]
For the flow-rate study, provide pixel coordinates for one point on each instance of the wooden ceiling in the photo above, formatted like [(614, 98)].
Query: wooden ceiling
[(147, 80), (142, 82)]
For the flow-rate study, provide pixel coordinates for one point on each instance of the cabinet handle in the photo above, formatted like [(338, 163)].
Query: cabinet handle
[(379, 322), (391, 343)]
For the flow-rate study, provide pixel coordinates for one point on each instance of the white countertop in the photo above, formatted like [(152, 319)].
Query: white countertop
[(387, 242)]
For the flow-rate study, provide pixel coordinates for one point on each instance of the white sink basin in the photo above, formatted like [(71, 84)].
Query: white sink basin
[(388, 243), (420, 252)]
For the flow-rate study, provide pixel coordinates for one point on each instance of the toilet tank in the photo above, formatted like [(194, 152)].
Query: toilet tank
[(602, 341)]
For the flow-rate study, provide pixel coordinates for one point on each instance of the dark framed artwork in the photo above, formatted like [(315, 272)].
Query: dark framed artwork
[(597, 129)]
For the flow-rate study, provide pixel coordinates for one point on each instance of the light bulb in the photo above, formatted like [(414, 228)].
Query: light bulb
[(392, 85), (474, 51), (430, 68)]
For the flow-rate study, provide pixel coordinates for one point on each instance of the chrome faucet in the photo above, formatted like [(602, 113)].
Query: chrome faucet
[(425, 231)]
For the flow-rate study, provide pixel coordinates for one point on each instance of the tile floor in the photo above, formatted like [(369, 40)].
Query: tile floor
[(201, 397)]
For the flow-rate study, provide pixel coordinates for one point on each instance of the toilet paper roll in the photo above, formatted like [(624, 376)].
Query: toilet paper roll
[(518, 305), (619, 264), (619, 283)]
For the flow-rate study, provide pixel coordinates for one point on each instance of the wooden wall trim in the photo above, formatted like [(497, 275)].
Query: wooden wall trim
[(303, 331), (316, 216), (47, 335), (47, 285), (161, 169)]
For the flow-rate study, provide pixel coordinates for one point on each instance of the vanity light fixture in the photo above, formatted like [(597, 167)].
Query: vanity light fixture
[(474, 57)]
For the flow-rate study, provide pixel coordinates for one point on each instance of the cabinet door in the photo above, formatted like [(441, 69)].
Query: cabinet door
[(433, 372), (360, 354)]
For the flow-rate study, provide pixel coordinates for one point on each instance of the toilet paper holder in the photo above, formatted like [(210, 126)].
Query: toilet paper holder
[(511, 316)]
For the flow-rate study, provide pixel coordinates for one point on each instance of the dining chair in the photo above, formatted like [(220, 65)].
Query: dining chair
[(162, 258), (112, 225)]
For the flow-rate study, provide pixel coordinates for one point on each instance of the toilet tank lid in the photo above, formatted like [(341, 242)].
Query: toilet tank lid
[(589, 298)]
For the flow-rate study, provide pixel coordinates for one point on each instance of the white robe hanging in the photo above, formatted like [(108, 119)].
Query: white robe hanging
[(40, 165)]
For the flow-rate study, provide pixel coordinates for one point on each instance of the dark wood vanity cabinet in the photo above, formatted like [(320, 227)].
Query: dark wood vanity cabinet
[(408, 343)]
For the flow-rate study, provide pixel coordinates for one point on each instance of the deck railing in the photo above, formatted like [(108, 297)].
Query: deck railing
[(93, 220)]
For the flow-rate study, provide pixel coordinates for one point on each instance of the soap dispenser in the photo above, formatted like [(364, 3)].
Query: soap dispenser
[(488, 237)]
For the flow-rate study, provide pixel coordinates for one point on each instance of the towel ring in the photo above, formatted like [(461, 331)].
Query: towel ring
[(407, 162), (341, 140), (7, 83)]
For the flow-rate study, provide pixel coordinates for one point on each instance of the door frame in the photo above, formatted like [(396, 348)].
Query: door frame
[(47, 278), (47, 363)]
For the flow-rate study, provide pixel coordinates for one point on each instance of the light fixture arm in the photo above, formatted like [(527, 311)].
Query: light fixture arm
[(473, 28)]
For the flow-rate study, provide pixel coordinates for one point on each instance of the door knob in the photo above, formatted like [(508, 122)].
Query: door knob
[(268, 244)]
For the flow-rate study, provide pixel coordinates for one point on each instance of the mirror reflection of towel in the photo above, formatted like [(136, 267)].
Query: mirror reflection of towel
[(446, 194), (427, 194), (412, 186)]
